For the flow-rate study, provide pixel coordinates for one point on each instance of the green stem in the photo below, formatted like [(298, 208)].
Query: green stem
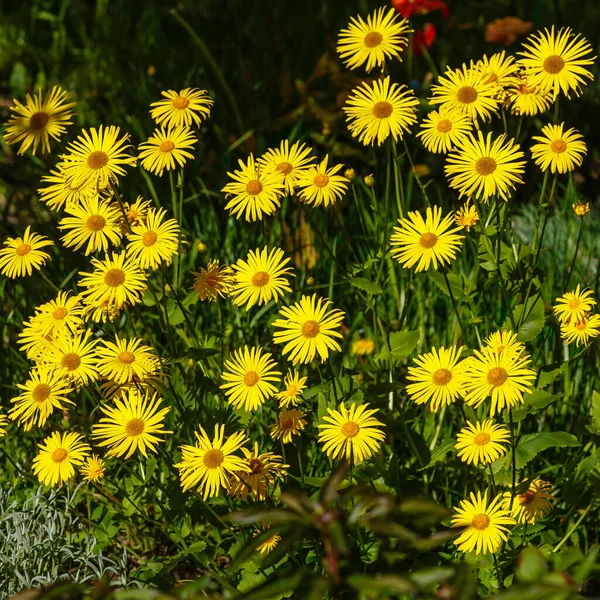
[(417, 179), (514, 457), (570, 272), (577, 524), (462, 329)]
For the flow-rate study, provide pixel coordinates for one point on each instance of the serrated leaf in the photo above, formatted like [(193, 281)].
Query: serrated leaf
[(439, 453), (461, 287), (531, 444), (401, 345), (534, 402), (532, 318), (365, 285)]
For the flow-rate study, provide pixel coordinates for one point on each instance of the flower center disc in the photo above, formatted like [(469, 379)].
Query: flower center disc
[(350, 429), (126, 357), (481, 439), (23, 249), (284, 167), (428, 240), (95, 223), (260, 279), (254, 187), (41, 392), (167, 146), (286, 424), (59, 455), (373, 39), (149, 238), (523, 89), (134, 427), (251, 378), (71, 361), (292, 390), (321, 180), (573, 304), (527, 497), (480, 521), (497, 376), (256, 466), (554, 64), (442, 377), (485, 166), (181, 103), (466, 94), (444, 126), (581, 325), (38, 120), (114, 277), (97, 159), (311, 329), (558, 146), (213, 458), (382, 110), (60, 313)]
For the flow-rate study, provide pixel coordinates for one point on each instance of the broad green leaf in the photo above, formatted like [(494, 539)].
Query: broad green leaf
[(595, 426), (462, 288), (530, 320), (439, 453), (201, 353), (531, 565), (401, 345), (531, 444), (365, 285), (534, 402)]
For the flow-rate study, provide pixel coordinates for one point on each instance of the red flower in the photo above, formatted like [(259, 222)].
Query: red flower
[(408, 8), (423, 37)]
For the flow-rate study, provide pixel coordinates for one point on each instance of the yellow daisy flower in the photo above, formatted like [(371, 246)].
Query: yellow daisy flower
[(531, 505), (93, 469), (3, 423), (466, 90), (264, 469), (504, 376), (135, 422), (45, 390), (482, 168), (381, 37), (153, 241), (351, 434), (308, 328), (32, 340), (503, 341), (499, 69), (290, 422), (167, 148), (254, 191), (481, 443), (363, 347), (190, 105), (152, 383), (560, 150), (445, 129), (425, 242), (96, 158), (74, 357), (439, 378), (523, 98), (249, 378), (59, 192), (573, 306), (62, 315), (260, 278), (320, 185), (38, 120), (466, 216), (269, 544), (581, 208), (93, 222), (485, 525), (136, 213), (208, 465), (214, 281), (582, 331), (374, 112), (20, 256), (58, 457), (292, 162), (114, 283), (557, 62), (294, 386), (125, 360)]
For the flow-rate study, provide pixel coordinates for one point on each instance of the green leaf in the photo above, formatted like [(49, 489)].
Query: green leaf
[(365, 285), (531, 444), (462, 288), (401, 345), (439, 453), (531, 565), (532, 319), (595, 426), (201, 353), (534, 402)]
